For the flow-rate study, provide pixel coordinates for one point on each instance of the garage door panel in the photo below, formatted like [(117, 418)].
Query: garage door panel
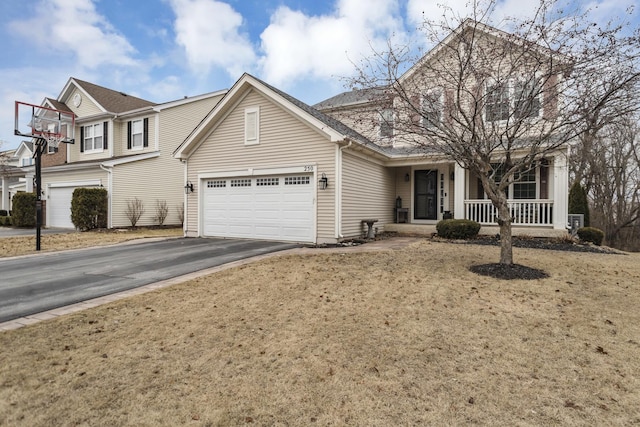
[(271, 210)]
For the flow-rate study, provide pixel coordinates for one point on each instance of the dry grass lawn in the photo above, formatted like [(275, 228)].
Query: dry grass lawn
[(389, 338), (25, 245)]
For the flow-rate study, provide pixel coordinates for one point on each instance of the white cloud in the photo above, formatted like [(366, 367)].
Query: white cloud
[(297, 46), (209, 32), (74, 27)]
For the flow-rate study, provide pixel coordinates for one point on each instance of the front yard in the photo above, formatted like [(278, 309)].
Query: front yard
[(397, 337)]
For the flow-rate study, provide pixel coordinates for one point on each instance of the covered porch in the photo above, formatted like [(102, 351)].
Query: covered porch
[(429, 192)]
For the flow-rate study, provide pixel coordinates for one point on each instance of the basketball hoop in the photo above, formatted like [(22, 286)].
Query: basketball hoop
[(53, 139)]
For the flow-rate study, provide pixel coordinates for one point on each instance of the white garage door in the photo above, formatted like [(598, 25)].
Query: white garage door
[(268, 208), (59, 207)]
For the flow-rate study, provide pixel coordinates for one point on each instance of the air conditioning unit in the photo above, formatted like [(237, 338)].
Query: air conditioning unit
[(575, 222)]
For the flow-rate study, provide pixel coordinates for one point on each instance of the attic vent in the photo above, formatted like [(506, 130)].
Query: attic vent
[(123, 94)]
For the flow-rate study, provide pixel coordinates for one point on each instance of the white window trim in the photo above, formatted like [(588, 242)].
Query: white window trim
[(247, 113), (141, 146), (390, 122), (511, 89), (94, 150)]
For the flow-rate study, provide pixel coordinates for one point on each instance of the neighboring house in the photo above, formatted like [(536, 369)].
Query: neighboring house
[(14, 165), (123, 144), (265, 165)]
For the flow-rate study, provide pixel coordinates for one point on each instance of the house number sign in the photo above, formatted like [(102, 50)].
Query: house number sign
[(308, 168)]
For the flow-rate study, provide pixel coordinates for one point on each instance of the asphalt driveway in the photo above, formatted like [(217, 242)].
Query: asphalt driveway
[(42, 282)]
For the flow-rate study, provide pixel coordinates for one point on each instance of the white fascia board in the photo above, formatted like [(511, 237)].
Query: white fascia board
[(94, 117), (188, 100), (83, 183), (72, 167), (146, 156)]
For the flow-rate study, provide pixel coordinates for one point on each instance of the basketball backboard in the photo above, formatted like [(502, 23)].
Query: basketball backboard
[(36, 121)]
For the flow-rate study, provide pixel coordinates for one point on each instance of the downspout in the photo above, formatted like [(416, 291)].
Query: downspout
[(339, 189), (109, 193)]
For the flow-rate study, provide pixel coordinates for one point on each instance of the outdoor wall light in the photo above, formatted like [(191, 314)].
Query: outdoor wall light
[(323, 182), (407, 177), (452, 176), (188, 188)]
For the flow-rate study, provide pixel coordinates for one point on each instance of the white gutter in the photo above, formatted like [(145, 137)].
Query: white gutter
[(109, 171), (339, 189)]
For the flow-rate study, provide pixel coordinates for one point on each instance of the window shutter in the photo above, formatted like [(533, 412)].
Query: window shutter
[(129, 135), (550, 97), (82, 139), (105, 135), (145, 135)]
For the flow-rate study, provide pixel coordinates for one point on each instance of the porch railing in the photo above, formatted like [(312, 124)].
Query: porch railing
[(523, 212)]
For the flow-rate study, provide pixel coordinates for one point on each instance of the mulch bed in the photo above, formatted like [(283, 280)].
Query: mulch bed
[(508, 272)]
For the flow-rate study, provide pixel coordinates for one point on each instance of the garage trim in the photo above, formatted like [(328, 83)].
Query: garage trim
[(310, 168)]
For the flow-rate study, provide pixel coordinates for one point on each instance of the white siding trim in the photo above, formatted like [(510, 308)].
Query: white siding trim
[(89, 182), (311, 167)]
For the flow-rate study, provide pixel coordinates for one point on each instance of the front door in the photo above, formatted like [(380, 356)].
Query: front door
[(426, 194)]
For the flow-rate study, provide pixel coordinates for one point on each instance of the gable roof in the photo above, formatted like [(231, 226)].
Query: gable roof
[(109, 100), (352, 97), (335, 130)]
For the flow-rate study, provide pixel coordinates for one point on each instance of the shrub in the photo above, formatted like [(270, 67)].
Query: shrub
[(457, 228), (578, 203), (89, 208), (24, 210), (162, 210), (591, 234), (3, 212), (135, 209), (5, 221)]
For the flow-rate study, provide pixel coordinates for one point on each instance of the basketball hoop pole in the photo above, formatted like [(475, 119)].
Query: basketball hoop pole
[(41, 145)]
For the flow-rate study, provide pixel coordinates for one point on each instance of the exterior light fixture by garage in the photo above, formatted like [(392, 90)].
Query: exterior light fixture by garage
[(407, 177), (323, 182), (188, 188)]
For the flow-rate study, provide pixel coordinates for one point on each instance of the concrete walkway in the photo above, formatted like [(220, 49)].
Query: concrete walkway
[(395, 243)]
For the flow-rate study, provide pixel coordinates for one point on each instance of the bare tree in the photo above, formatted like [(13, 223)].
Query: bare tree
[(613, 167), (135, 209), (498, 103)]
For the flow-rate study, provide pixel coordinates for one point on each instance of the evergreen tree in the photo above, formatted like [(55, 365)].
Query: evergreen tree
[(578, 203)]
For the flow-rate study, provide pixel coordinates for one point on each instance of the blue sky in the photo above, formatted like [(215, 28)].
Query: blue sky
[(162, 50)]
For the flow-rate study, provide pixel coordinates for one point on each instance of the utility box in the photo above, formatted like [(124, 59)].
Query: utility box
[(574, 223)]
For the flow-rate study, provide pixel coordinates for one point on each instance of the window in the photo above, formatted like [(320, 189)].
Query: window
[(252, 126), (261, 182), (92, 139), (432, 106), (497, 102), (386, 123), (138, 134), (246, 182), (524, 185), (518, 97), (296, 180), (216, 184), (527, 99), (27, 161)]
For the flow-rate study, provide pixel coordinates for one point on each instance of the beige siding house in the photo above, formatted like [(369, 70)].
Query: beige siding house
[(264, 165), (123, 144)]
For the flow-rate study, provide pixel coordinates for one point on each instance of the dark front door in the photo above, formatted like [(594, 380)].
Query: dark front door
[(426, 194)]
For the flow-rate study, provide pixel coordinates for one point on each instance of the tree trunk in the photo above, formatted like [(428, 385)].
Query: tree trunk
[(504, 221)]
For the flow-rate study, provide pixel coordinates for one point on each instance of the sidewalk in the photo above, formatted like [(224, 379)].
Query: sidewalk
[(394, 243)]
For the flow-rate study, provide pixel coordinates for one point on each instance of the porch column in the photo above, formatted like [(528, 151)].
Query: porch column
[(459, 192), (560, 192), (5, 193), (28, 185)]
